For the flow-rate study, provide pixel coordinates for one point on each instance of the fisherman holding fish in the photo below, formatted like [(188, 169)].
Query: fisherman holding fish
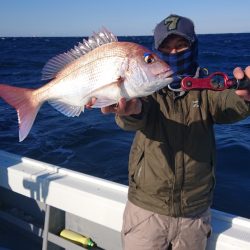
[(172, 159)]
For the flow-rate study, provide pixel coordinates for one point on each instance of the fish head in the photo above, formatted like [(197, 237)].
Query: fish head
[(148, 72)]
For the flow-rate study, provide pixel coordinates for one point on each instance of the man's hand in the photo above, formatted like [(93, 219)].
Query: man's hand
[(124, 108), (240, 74)]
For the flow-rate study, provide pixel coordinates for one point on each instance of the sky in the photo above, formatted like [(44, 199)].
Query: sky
[(122, 17)]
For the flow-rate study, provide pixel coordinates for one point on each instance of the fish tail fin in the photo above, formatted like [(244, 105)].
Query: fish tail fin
[(24, 103)]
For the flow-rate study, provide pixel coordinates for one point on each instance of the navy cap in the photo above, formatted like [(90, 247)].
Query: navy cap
[(174, 24)]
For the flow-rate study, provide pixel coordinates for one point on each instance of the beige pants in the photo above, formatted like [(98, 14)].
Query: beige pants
[(145, 230)]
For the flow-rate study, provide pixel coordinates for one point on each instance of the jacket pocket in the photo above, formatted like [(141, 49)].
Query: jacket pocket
[(136, 165), (134, 218), (205, 223)]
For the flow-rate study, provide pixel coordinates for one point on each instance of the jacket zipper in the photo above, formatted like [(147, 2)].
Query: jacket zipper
[(174, 181), (173, 185), (183, 163)]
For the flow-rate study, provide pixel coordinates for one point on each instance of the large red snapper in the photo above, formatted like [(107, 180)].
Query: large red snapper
[(100, 67)]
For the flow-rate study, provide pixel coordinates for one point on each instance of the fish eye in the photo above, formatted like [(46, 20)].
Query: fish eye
[(148, 58)]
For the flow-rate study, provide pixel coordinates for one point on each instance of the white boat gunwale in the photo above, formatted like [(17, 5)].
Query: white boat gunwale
[(70, 191)]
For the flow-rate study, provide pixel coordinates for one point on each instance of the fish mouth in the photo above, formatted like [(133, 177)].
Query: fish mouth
[(166, 73)]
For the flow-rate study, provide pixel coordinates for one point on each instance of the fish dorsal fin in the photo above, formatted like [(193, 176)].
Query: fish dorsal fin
[(57, 63)]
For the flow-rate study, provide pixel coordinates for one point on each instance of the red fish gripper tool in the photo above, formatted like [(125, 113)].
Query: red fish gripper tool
[(217, 81)]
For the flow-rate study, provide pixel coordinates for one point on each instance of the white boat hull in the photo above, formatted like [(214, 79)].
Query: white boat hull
[(94, 206)]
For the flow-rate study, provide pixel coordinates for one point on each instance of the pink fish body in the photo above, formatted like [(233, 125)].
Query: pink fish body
[(101, 67)]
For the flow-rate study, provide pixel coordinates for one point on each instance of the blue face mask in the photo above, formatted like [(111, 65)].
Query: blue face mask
[(182, 63)]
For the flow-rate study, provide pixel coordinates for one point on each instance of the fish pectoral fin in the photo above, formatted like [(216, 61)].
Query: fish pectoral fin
[(66, 109), (102, 102)]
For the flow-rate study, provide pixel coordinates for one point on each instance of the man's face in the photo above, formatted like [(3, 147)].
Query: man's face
[(174, 44)]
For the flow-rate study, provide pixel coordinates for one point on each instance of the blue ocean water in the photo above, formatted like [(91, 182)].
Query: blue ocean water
[(94, 144)]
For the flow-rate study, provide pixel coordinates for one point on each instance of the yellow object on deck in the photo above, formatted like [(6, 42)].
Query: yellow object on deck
[(76, 237)]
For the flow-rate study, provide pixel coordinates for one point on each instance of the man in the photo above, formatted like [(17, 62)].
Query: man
[(171, 164)]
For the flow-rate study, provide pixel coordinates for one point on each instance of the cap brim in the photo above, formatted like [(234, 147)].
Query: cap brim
[(175, 32)]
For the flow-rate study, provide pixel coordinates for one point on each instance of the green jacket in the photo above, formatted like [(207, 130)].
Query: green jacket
[(172, 159)]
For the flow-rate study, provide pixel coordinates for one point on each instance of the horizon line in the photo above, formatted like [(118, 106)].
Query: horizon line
[(61, 36)]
